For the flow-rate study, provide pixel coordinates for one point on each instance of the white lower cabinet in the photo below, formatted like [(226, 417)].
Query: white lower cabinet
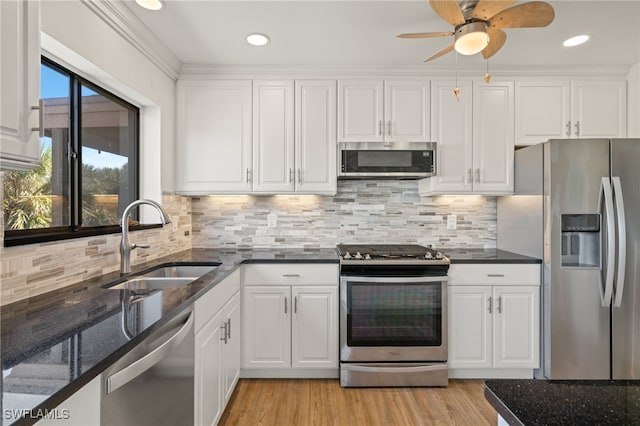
[(494, 320), (217, 349), (290, 320)]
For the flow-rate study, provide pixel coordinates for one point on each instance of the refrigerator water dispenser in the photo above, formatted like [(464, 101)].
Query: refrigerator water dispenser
[(581, 240)]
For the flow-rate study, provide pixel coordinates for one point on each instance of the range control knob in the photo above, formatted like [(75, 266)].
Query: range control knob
[(357, 256), (428, 255), (367, 257), (439, 255), (347, 255)]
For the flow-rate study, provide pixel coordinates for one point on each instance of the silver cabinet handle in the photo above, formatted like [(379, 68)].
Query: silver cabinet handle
[(248, 175), (389, 131), (229, 328), (224, 337), (468, 177), (290, 175), (568, 133), (135, 369), (478, 175), (577, 126), (499, 305), (379, 127), (489, 303), (299, 175), (495, 275), (285, 304), (295, 305), (290, 275), (40, 128)]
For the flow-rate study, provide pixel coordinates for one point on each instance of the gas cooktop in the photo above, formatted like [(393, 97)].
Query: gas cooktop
[(389, 254)]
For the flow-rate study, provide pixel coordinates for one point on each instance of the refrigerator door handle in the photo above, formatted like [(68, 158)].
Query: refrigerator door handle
[(622, 241), (606, 287)]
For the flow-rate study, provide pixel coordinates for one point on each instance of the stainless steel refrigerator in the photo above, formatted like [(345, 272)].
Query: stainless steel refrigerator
[(577, 207)]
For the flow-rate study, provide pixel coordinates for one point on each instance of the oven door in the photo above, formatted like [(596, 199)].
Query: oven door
[(393, 319)]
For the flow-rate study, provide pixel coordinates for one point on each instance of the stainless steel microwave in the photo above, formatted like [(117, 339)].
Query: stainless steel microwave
[(400, 160)]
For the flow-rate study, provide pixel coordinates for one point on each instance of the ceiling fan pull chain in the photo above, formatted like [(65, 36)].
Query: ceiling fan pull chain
[(456, 89)]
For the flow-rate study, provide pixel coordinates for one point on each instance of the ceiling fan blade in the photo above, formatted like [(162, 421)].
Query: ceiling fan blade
[(497, 38), (444, 51), (449, 10), (425, 35), (526, 15), (485, 9)]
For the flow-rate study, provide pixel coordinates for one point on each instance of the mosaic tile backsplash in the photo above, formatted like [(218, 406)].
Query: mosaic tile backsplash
[(363, 211), (33, 269)]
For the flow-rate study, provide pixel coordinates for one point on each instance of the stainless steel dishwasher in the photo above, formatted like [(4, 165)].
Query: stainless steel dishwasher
[(153, 384)]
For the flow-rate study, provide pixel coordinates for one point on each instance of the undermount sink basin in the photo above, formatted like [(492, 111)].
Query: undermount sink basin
[(164, 277)]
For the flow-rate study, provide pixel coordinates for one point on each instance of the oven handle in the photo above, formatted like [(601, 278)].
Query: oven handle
[(363, 279), (405, 369)]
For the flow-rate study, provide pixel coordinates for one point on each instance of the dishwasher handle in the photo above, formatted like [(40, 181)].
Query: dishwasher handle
[(135, 369)]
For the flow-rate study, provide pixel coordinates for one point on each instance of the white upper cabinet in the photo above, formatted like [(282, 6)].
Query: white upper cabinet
[(214, 136), (20, 114), (315, 136), (273, 136), (559, 109), (383, 111), (475, 138)]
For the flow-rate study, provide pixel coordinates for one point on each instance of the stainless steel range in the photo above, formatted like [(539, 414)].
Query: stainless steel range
[(393, 316)]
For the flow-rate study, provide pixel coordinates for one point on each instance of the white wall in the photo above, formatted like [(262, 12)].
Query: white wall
[(633, 102), (76, 35)]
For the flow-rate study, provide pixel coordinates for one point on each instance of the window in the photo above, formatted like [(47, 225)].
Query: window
[(88, 171)]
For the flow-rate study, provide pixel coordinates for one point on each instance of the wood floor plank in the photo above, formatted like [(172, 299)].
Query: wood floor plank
[(318, 402)]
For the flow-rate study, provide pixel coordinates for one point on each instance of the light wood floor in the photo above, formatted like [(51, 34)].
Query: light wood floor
[(323, 402)]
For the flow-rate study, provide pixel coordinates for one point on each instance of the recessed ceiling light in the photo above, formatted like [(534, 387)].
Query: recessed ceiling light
[(257, 39), (151, 4), (575, 41)]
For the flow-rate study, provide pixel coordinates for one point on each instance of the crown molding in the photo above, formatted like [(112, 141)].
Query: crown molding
[(201, 71), (125, 23)]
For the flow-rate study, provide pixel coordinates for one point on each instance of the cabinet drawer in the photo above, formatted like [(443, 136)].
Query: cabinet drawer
[(494, 274), (209, 304), (291, 274)]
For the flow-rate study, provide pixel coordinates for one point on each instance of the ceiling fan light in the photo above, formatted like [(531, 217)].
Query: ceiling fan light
[(471, 38), (151, 4), (575, 41)]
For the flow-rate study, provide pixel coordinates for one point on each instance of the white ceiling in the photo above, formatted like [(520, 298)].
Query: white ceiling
[(362, 33)]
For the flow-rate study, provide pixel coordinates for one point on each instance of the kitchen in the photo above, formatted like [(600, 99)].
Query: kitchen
[(366, 212)]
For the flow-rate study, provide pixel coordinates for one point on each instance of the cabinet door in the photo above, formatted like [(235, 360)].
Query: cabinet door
[(360, 109), (542, 111), (19, 84), (599, 109), (470, 327), (273, 136), (214, 134), (451, 129), (407, 111), (208, 372), (516, 341), (314, 327), (231, 349), (266, 327), (315, 127), (493, 137), (80, 409)]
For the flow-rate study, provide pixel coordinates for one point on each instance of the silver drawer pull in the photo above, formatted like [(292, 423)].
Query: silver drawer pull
[(496, 275), (291, 275)]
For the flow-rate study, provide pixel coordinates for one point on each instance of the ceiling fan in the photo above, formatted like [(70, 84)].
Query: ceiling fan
[(478, 24)]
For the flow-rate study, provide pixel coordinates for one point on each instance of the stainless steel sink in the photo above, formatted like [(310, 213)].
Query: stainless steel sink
[(180, 271), (163, 277), (152, 283)]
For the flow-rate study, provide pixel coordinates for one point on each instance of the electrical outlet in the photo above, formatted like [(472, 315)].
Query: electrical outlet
[(452, 221), (272, 220)]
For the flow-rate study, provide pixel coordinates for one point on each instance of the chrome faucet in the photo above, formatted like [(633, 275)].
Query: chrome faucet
[(125, 245)]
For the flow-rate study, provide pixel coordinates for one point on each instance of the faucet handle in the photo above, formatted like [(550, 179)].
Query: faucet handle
[(135, 245)]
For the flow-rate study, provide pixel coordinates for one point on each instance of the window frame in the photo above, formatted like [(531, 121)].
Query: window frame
[(74, 145)]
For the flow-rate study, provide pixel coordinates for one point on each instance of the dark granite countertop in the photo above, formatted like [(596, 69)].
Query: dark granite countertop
[(55, 343), (579, 402), (486, 256)]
